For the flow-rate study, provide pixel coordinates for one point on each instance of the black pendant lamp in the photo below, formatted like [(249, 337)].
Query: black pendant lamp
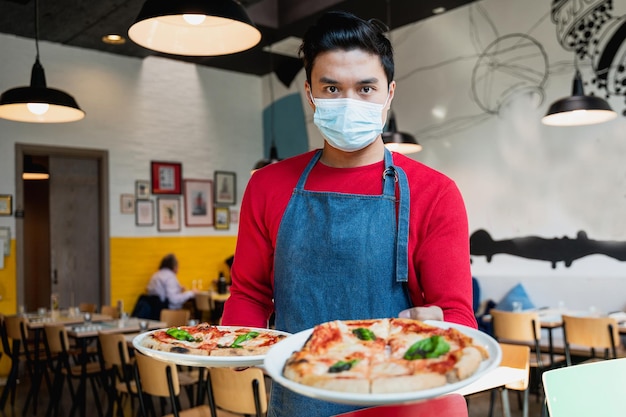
[(268, 161), (400, 142), (194, 27), (578, 109), (38, 103)]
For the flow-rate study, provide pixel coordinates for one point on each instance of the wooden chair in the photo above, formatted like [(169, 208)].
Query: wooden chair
[(451, 405), (514, 356), (591, 333), (589, 389), (203, 305), (121, 380), (32, 352), (110, 311), (174, 318), (87, 308), (60, 359), (161, 379), (238, 391)]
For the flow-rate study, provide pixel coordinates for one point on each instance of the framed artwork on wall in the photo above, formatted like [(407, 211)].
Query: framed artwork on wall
[(168, 214), (222, 218), (5, 237), (127, 204), (6, 204), (166, 177), (144, 212), (142, 189), (225, 187), (198, 202)]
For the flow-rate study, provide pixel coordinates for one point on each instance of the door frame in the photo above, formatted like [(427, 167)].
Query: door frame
[(102, 158)]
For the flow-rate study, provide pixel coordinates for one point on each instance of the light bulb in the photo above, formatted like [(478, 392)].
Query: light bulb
[(38, 108), (194, 19)]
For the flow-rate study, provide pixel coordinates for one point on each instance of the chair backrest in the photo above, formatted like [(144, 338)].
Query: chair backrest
[(516, 326), (111, 311), (153, 378), (516, 356), (87, 308), (6, 345), (451, 405), (114, 349), (174, 318), (239, 391), (589, 389), (591, 333), (203, 301), (14, 325), (56, 338)]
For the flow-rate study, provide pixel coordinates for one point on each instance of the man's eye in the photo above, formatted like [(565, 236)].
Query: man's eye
[(367, 89), (332, 89)]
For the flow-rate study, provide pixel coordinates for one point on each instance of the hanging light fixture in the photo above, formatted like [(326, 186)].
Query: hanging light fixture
[(578, 109), (395, 141), (400, 142), (38, 103), (194, 27), (34, 171)]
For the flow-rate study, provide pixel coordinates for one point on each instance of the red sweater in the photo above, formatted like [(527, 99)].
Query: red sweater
[(439, 260)]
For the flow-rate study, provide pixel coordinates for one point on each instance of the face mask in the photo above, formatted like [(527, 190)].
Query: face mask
[(348, 124)]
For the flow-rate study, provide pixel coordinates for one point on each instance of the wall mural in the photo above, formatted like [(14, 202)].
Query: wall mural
[(554, 250), (509, 65)]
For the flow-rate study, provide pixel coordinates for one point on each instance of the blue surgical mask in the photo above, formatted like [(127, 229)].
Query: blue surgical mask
[(347, 124)]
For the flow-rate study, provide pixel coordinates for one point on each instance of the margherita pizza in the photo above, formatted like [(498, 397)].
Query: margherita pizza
[(383, 356), (208, 340)]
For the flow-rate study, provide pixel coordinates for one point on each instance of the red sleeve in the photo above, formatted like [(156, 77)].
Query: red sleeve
[(441, 256)]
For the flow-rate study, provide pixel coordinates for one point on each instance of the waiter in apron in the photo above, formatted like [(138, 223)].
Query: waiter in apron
[(350, 231)]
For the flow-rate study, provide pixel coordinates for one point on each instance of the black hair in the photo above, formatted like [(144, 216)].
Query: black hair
[(169, 262), (343, 30)]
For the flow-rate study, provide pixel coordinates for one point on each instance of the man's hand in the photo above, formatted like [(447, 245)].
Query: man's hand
[(422, 313)]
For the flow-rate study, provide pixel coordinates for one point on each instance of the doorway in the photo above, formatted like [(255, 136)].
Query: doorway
[(62, 231)]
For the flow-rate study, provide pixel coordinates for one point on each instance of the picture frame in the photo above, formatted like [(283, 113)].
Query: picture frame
[(198, 196), (144, 213), (6, 204), (166, 177), (142, 189), (168, 214), (5, 236), (222, 218), (225, 187), (127, 204)]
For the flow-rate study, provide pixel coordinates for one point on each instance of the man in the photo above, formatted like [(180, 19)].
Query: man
[(164, 283), (350, 231)]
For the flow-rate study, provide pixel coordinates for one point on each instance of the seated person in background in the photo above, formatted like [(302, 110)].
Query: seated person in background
[(164, 283)]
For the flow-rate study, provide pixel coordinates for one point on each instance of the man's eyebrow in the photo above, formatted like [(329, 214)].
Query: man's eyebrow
[(372, 80), (327, 80)]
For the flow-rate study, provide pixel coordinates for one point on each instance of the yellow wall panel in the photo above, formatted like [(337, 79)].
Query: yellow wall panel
[(134, 260)]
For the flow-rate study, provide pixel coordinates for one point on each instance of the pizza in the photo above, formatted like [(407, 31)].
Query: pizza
[(207, 340), (383, 356)]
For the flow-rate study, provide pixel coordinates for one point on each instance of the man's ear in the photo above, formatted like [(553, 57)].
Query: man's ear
[(309, 94), (392, 91)]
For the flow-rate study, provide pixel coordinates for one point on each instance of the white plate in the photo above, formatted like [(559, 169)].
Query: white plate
[(201, 360), (279, 353)]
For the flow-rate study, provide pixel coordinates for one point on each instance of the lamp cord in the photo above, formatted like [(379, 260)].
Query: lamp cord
[(37, 27)]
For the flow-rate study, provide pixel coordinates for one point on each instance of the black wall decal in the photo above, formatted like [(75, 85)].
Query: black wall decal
[(554, 250)]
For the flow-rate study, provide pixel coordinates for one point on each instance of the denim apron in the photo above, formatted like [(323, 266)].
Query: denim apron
[(338, 257)]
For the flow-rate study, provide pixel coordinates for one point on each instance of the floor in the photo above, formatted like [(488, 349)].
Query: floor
[(478, 404)]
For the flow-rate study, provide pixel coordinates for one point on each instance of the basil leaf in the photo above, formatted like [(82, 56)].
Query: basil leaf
[(242, 338), (180, 334), (341, 366), (364, 334), (431, 347)]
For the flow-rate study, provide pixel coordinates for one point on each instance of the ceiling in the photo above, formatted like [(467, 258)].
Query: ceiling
[(82, 23)]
